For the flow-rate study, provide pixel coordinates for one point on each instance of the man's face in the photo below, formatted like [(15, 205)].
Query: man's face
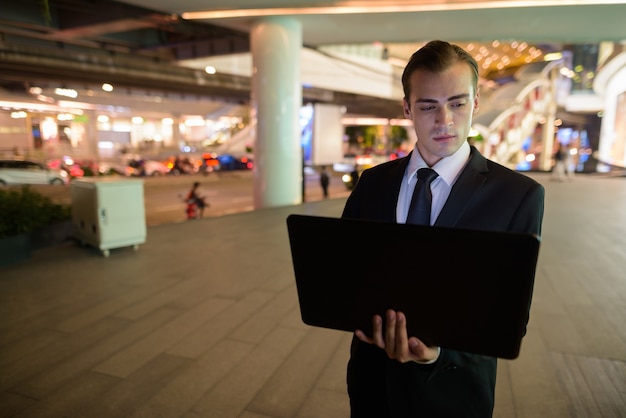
[(441, 107)]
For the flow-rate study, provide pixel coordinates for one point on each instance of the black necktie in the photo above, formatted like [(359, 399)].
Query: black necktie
[(419, 211)]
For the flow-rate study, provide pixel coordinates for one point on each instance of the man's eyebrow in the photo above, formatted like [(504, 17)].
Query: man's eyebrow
[(451, 98)]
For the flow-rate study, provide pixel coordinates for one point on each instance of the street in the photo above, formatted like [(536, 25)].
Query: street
[(228, 192)]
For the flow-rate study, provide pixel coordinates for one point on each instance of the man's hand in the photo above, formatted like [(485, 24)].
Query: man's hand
[(395, 340)]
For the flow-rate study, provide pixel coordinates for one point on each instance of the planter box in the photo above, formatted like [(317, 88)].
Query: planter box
[(14, 249), (19, 247), (51, 235)]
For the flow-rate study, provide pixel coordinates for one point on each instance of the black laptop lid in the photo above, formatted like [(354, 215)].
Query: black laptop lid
[(460, 289)]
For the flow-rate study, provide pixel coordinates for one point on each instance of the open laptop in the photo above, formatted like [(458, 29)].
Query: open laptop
[(459, 289)]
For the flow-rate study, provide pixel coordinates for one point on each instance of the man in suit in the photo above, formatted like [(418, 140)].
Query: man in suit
[(390, 373)]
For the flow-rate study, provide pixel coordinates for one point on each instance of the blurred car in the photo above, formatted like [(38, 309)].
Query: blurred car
[(112, 168), (150, 168), (89, 167), (67, 164), (231, 162), (178, 166), (14, 172), (210, 163)]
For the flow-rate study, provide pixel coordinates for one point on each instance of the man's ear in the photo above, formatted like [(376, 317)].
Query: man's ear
[(406, 109)]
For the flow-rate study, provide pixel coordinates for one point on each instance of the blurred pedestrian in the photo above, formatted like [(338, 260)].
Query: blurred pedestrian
[(354, 176), (324, 181), (570, 161), (559, 170)]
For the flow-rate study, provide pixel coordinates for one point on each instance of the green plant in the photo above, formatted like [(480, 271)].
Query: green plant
[(24, 211)]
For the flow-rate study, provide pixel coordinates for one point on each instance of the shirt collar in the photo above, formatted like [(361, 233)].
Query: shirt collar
[(448, 168)]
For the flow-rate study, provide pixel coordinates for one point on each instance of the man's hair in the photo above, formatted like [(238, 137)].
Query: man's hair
[(437, 56)]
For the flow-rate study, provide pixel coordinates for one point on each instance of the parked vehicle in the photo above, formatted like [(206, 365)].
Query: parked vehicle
[(231, 162), (150, 168), (111, 168), (14, 172), (224, 162), (67, 164), (178, 166), (210, 163)]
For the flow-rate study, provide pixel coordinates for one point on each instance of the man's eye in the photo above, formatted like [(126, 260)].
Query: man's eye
[(426, 108), (458, 104)]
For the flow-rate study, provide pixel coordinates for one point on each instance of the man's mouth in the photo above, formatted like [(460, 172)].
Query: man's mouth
[(443, 137)]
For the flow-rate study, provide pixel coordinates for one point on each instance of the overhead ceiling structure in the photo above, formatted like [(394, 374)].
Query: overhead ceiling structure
[(400, 21), (139, 43)]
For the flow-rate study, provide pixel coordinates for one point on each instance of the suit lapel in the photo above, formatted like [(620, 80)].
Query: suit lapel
[(464, 190)]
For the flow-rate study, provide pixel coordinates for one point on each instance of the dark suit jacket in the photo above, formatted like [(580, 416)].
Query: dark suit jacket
[(486, 196)]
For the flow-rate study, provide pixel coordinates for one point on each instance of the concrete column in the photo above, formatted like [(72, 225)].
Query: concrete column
[(91, 135), (276, 43), (176, 136)]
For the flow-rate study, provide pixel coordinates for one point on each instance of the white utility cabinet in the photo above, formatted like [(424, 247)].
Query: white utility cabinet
[(108, 212)]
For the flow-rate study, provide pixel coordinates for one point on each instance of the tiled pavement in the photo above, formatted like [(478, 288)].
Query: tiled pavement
[(203, 321)]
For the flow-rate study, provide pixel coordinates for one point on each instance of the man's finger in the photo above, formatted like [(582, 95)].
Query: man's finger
[(377, 326)]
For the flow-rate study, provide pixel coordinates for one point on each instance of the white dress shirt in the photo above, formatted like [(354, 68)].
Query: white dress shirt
[(448, 169)]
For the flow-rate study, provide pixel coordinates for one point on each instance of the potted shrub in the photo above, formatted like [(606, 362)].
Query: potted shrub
[(27, 221)]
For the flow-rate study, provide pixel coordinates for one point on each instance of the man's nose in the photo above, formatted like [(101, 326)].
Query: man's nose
[(445, 116)]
